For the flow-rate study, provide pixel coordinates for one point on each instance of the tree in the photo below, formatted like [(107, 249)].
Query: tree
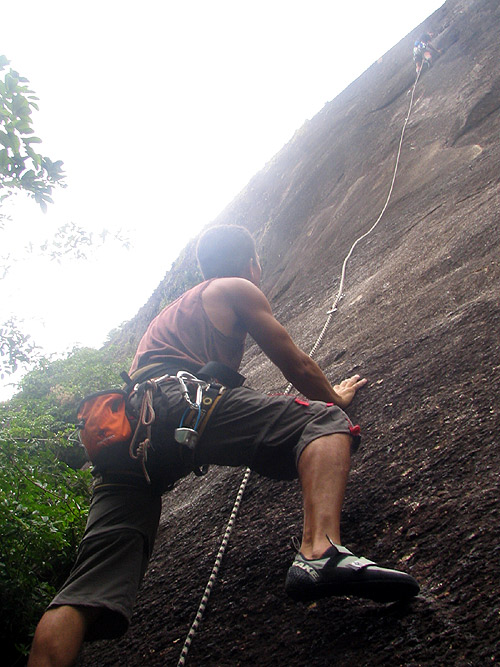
[(21, 167), (44, 492), (16, 348)]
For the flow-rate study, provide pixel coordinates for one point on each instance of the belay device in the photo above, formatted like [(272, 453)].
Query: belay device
[(196, 415)]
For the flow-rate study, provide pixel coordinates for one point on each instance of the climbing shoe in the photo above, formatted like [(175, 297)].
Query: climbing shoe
[(339, 572)]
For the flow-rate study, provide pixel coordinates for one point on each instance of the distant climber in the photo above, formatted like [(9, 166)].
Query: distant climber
[(423, 51), (186, 362)]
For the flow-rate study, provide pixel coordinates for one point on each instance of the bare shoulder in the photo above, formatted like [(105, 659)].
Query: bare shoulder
[(233, 290), (235, 305), (226, 300)]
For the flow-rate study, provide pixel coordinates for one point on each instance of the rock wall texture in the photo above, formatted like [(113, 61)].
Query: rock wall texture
[(420, 317)]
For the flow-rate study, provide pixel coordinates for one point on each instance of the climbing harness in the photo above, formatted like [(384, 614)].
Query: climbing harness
[(330, 313), (193, 421), (126, 417)]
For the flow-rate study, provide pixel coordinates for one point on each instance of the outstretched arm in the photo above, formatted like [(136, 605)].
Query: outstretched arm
[(254, 313)]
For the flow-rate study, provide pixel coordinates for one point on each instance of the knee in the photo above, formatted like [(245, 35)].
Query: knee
[(58, 638), (45, 648), (336, 445)]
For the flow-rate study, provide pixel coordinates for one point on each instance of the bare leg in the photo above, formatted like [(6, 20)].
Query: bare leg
[(323, 471), (59, 636)]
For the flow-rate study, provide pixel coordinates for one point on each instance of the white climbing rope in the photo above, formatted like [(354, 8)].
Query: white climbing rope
[(241, 490), (215, 571), (333, 307)]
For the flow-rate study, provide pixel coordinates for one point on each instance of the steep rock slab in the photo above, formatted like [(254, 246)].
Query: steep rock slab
[(420, 317)]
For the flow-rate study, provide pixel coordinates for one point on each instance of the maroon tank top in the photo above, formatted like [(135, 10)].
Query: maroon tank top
[(183, 332)]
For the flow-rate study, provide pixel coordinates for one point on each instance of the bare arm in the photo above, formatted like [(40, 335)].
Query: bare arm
[(254, 314)]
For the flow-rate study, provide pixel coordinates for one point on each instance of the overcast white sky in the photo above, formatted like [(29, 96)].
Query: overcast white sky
[(162, 111)]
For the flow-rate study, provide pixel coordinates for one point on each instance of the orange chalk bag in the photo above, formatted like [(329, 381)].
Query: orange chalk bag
[(103, 421)]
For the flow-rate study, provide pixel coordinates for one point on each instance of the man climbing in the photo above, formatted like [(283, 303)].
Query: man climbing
[(423, 52), (279, 437)]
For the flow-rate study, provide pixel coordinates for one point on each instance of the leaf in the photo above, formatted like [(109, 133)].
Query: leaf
[(20, 107), (38, 176), (15, 144), (22, 125), (28, 175), (10, 82), (37, 159)]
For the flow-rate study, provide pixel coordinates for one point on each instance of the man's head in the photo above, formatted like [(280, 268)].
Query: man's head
[(228, 251)]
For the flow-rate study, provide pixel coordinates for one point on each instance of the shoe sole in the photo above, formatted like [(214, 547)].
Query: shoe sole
[(379, 589)]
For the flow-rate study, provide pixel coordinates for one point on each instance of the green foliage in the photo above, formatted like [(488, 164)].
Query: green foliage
[(16, 348), (43, 495), (43, 506), (23, 169), (71, 242), (67, 380), (21, 166)]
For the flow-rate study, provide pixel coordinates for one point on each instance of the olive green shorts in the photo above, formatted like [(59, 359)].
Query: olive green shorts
[(247, 428), (113, 555)]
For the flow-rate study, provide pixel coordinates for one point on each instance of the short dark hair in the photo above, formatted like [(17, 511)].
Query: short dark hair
[(225, 251)]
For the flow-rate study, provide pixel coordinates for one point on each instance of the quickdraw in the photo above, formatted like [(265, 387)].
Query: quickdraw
[(193, 421)]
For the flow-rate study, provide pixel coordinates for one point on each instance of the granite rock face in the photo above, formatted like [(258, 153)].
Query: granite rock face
[(420, 317)]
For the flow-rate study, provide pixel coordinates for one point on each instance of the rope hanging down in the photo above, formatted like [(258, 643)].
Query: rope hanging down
[(246, 477), (335, 302), (215, 570)]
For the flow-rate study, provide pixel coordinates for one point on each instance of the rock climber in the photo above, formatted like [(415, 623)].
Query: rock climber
[(280, 437), (423, 51)]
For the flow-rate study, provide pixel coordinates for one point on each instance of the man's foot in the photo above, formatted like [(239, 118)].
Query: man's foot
[(339, 572)]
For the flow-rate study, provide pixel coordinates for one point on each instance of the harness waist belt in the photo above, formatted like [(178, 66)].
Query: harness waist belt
[(213, 370)]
